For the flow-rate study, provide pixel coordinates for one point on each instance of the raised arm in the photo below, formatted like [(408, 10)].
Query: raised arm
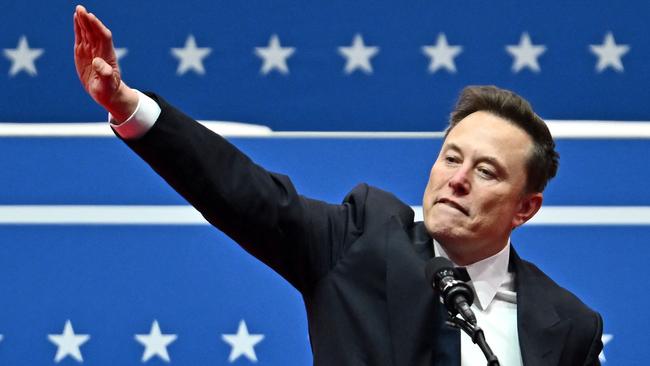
[(97, 68), (298, 237)]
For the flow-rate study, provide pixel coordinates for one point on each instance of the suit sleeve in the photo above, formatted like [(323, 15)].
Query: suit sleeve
[(596, 346), (300, 238)]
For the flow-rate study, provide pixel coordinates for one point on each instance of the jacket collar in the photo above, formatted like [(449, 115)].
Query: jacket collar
[(417, 319), (542, 333), (486, 275)]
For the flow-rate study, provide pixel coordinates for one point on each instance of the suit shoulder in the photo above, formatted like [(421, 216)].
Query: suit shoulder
[(586, 324), (372, 204), (564, 300)]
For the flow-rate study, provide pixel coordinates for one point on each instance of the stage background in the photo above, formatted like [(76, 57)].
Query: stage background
[(79, 239)]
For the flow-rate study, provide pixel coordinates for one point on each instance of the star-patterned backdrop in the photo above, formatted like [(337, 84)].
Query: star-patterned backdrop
[(370, 65), (102, 263)]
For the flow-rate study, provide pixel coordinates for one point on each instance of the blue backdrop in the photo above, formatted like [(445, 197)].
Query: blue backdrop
[(113, 281), (585, 60)]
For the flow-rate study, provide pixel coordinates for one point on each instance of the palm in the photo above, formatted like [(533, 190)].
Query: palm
[(99, 88), (94, 40)]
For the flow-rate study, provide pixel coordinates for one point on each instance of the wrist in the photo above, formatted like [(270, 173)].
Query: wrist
[(123, 103)]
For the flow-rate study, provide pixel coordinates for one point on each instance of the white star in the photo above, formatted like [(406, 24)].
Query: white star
[(525, 54), (68, 343), (155, 343), (274, 56), (22, 57), (606, 338), (121, 52), (242, 343), (442, 54), (358, 55), (609, 53), (191, 57)]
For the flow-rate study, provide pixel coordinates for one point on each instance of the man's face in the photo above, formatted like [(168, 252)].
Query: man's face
[(475, 194)]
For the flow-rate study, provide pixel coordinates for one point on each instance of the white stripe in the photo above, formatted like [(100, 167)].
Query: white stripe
[(101, 215), (599, 129), (592, 215), (354, 135), (583, 215), (559, 129), (102, 129), (186, 215)]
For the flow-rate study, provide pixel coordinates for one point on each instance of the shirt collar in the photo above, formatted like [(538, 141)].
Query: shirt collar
[(486, 275)]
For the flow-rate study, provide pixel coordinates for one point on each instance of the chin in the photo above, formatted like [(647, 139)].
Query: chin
[(443, 231), (448, 236)]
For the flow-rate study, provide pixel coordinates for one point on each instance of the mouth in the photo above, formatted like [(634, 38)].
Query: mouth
[(453, 204)]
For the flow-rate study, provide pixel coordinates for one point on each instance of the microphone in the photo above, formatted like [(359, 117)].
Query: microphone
[(456, 294)]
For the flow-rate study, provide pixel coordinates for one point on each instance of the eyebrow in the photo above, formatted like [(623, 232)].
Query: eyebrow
[(451, 146), (487, 158)]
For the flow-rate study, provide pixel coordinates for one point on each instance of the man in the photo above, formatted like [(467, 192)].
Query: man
[(359, 265)]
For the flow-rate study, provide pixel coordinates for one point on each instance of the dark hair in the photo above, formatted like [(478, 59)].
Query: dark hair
[(543, 161)]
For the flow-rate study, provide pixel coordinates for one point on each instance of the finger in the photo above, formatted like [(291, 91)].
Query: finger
[(80, 51), (80, 14), (79, 37), (82, 28), (86, 25), (99, 27), (77, 31), (80, 9)]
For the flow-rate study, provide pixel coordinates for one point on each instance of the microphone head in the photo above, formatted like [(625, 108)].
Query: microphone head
[(436, 265), (444, 278)]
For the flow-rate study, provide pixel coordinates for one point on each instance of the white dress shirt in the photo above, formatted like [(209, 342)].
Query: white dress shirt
[(495, 305), (142, 119)]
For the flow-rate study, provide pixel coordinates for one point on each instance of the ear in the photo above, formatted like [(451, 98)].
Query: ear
[(528, 206)]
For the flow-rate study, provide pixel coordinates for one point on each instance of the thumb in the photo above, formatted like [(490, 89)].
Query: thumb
[(106, 81), (102, 68)]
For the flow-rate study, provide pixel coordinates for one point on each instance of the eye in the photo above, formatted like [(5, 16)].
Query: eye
[(452, 159), (486, 172)]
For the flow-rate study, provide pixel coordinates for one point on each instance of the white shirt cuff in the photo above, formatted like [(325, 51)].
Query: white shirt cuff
[(140, 122)]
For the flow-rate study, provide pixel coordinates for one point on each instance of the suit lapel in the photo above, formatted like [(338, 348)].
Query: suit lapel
[(542, 333), (417, 320), (419, 335)]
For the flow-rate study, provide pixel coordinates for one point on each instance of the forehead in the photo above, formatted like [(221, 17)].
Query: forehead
[(485, 133)]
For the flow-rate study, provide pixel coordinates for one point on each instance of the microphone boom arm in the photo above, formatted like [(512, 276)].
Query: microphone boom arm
[(477, 336)]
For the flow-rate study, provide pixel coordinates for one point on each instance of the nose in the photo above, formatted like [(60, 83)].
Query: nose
[(459, 182)]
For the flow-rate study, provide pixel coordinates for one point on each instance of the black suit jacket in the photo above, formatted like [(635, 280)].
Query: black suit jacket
[(359, 265)]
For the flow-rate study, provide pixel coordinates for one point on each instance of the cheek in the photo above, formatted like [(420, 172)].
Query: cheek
[(436, 177), (431, 190), (496, 208), (427, 199), (428, 190)]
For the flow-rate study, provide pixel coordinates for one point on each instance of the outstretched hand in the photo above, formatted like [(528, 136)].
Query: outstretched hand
[(97, 67)]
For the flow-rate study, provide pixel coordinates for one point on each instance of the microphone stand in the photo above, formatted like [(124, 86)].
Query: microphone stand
[(477, 336)]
